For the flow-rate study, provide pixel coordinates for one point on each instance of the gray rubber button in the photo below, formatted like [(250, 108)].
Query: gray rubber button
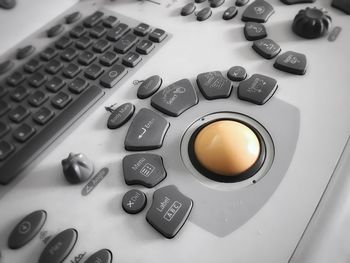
[(101, 256), (149, 86), (27, 229), (214, 85), (176, 98), (146, 132), (143, 169), (266, 48), (291, 62), (237, 73), (258, 11), (59, 247), (241, 2), (204, 14), (254, 31), (188, 9), (258, 89), (169, 211), (230, 13), (120, 115), (216, 3), (134, 201)]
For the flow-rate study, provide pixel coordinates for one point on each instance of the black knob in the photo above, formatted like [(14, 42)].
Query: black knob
[(311, 23), (77, 168)]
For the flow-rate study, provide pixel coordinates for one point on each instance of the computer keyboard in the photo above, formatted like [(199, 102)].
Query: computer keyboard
[(44, 90)]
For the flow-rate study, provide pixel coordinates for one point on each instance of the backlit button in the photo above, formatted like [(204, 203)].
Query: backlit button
[(227, 147), (59, 247), (169, 211), (146, 132), (27, 229), (143, 169)]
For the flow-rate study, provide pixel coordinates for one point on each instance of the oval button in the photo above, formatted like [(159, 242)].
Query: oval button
[(59, 247), (188, 9), (149, 87), (27, 229), (101, 256), (204, 14), (120, 115)]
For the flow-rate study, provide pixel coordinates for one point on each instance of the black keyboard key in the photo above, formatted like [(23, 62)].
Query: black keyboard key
[(258, 89), (93, 71), (23, 132), (176, 98), (69, 54), (55, 30), (43, 115), (37, 98), (110, 21), (6, 66), (214, 85), (291, 62), (230, 13), (146, 131), (15, 78), (4, 128), (108, 58), (4, 107), (25, 52), (63, 42), (133, 202), (37, 79), (48, 54), (149, 86), (98, 31), (131, 59), (124, 44), (145, 47), (5, 150), (266, 48), (61, 100), (78, 85), (121, 115), (94, 19), (216, 3), (115, 33), (157, 35), (32, 65), (169, 210), (204, 14), (258, 11), (18, 114), (77, 31), (237, 73), (188, 9), (86, 58), (241, 2), (254, 31), (72, 18), (83, 42), (19, 93), (55, 84), (142, 29), (143, 169), (53, 66), (113, 76), (101, 45), (71, 70)]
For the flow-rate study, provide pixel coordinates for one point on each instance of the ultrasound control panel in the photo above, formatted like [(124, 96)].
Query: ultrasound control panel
[(176, 130)]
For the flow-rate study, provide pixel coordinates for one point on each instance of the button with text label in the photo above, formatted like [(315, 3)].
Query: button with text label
[(169, 210), (134, 201)]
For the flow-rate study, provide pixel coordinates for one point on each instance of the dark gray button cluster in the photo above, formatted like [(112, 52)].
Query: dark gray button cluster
[(188, 9), (134, 201), (27, 229), (176, 98), (101, 256), (291, 62), (59, 247), (258, 89), (266, 48), (204, 14), (146, 132), (169, 210), (149, 86), (214, 85), (120, 115), (143, 169), (237, 73), (230, 13), (258, 11), (254, 31)]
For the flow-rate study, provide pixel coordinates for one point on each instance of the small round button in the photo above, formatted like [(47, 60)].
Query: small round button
[(227, 150), (134, 201)]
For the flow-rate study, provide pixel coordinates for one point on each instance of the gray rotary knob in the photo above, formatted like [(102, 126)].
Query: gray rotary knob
[(77, 168)]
